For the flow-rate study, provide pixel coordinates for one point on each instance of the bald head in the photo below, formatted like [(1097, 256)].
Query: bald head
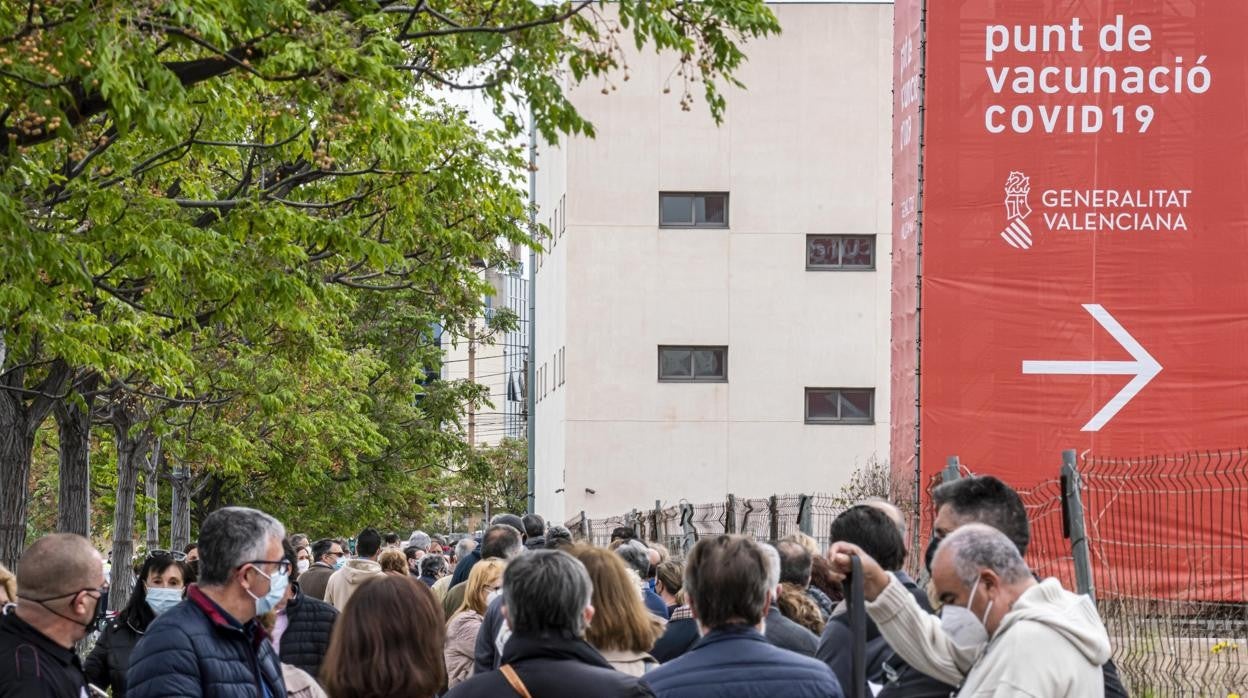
[(58, 564)]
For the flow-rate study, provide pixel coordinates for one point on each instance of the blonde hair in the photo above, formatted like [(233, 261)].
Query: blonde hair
[(621, 621), (483, 574), (810, 544), (393, 561), (9, 583)]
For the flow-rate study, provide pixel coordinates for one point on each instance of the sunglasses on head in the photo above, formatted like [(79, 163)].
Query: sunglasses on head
[(176, 555)]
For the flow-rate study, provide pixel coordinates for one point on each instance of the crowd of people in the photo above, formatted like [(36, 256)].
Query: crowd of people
[(524, 609)]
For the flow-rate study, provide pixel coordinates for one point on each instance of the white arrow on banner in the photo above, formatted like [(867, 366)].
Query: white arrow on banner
[(1144, 367)]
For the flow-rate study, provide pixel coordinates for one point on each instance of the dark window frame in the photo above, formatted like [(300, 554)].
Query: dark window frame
[(838, 420), (841, 237), (693, 221), (692, 348)]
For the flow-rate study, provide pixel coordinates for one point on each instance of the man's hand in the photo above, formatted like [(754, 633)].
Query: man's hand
[(874, 578)]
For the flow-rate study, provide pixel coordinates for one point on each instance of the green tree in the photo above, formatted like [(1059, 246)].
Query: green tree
[(196, 197), (495, 478)]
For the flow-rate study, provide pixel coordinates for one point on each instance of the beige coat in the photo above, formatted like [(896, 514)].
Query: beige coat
[(343, 583), (1052, 643), (631, 663), (461, 644), (299, 684)]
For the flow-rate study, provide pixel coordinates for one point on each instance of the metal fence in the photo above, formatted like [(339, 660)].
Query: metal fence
[(1161, 543), (679, 527)]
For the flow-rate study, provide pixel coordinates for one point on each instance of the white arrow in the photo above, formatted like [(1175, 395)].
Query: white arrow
[(1144, 367)]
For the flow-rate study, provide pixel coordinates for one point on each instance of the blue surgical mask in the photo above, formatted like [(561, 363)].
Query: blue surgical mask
[(277, 589), (163, 599), (342, 561)]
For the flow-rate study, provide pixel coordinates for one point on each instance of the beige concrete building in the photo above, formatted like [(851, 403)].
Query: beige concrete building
[(712, 314)]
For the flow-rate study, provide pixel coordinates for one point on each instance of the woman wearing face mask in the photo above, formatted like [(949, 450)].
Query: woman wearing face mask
[(161, 585), (301, 625), (303, 559)]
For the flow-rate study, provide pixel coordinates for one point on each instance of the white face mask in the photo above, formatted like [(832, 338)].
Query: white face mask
[(968, 632), (303, 565), (489, 598)]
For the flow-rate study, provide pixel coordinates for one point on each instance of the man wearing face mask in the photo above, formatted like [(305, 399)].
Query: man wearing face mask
[(995, 616), (987, 500), (330, 556), (212, 645), (62, 596)]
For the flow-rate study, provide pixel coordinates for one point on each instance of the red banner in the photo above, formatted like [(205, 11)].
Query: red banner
[(1085, 231), (907, 96)]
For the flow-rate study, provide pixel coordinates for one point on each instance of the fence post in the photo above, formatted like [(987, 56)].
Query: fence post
[(584, 526), (773, 518), (952, 471), (660, 530), (1073, 525), (686, 523), (803, 515), (730, 514)]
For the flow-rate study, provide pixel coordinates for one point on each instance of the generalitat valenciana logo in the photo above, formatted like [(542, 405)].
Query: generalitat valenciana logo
[(1016, 233)]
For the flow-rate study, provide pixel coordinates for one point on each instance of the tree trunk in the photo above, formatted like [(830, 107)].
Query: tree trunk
[(15, 453), (180, 509), (73, 421), (19, 422), (151, 487), (131, 451)]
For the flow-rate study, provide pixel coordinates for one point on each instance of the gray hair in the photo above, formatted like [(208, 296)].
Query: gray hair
[(419, 539), (231, 537), (463, 547), (636, 555), (547, 591), (976, 547), (773, 565)]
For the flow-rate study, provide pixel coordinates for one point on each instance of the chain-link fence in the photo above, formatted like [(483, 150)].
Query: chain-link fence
[(1161, 542)]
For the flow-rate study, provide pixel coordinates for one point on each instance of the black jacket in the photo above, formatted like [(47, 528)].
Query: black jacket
[(485, 654), (107, 664), (884, 667), (679, 637), (786, 634), (465, 566), (32, 666), (196, 650), (553, 667), (306, 638)]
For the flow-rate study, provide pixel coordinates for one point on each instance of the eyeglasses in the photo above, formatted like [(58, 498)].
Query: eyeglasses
[(177, 555), (338, 553), (283, 566)]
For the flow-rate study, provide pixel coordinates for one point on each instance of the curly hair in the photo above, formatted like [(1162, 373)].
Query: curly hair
[(795, 605)]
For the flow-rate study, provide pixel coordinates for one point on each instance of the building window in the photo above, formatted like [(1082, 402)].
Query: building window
[(693, 210), (840, 252), (693, 364), (840, 405)]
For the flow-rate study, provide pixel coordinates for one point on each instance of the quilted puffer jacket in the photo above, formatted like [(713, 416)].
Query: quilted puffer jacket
[(306, 638), (196, 650)]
